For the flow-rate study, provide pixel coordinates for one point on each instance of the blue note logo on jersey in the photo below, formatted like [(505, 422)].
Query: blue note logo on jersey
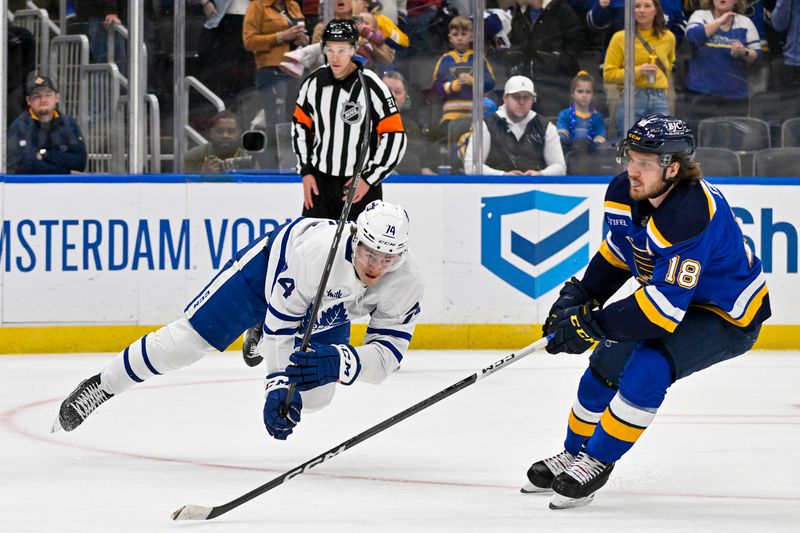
[(534, 268)]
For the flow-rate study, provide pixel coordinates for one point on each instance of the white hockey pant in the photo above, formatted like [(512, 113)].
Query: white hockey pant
[(174, 346)]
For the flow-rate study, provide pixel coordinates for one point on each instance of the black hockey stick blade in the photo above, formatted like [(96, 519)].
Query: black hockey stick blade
[(199, 512)]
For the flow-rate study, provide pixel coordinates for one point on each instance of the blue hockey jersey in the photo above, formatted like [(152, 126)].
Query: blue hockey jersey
[(689, 251)]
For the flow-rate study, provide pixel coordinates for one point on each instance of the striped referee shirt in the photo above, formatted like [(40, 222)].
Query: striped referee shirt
[(327, 123)]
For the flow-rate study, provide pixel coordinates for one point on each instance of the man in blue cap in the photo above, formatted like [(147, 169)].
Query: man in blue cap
[(41, 140)]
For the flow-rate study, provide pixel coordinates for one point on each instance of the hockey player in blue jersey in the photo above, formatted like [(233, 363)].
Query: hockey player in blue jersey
[(701, 300), (274, 280)]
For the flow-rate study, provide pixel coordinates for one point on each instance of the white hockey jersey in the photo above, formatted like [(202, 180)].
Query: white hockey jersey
[(296, 259)]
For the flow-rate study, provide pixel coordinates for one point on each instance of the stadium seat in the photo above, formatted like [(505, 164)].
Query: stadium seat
[(790, 133), (249, 103), (718, 162), (777, 162), (601, 162), (741, 134), (693, 108), (767, 107), (287, 160)]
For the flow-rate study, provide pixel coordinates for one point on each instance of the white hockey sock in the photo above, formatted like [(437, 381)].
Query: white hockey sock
[(174, 346)]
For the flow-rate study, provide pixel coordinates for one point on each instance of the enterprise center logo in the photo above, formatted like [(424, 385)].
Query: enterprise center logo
[(560, 227)]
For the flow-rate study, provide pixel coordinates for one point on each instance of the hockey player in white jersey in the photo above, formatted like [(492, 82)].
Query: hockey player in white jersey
[(274, 280)]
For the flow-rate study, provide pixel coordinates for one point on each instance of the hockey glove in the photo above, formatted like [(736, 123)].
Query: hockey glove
[(277, 387), (572, 293), (575, 330), (323, 364), (250, 345)]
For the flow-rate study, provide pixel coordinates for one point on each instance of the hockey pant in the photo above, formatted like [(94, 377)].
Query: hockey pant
[(626, 383)]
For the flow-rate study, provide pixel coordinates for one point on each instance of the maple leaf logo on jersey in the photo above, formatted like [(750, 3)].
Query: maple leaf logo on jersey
[(329, 318)]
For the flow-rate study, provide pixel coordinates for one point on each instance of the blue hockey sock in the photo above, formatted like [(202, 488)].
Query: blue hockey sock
[(643, 385), (593, 397)]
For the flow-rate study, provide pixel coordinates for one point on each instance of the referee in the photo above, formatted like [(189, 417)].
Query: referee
[(327, 125)]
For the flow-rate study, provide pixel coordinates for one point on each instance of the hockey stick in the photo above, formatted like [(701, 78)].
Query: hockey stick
[(199, 512), (348, 203)]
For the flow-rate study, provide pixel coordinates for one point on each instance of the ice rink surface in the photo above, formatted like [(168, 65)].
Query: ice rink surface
[(721, 455)]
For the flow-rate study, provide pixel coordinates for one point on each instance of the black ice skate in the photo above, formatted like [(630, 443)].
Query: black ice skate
[(577, 484), (80, 404), (250, 344), (542, 473)]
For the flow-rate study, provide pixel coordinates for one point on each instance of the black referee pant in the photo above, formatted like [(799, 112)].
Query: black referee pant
[(330, 201)]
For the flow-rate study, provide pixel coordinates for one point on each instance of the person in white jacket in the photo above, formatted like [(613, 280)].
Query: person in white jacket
[(516, 142), (274, 280)]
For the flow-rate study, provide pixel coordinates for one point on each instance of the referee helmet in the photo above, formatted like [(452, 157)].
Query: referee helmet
[(341, 31)]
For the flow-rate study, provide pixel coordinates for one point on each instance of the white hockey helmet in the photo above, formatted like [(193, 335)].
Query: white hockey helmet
[(383, 227)]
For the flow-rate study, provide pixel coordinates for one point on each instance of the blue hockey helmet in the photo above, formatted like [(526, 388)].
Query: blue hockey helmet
[(659, 134)]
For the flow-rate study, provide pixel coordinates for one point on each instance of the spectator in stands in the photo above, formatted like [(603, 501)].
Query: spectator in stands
[(41, 140), (774, 39), (417, 157), (372, 45), (224, 151), (419, 23), (394, 9), (21, 62), (497, 29), (310, 57), (270, 28), (380, 38), (516, 142), (786, 17), (94, 18), (546, 39), (226, 66), (395, 37), (580, 126), (609, 16), (723, 43), (311, 11), (654, 54), (452, 80)]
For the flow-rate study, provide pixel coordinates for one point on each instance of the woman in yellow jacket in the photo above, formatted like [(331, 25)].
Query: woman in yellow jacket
[(653, 61), (270, 28)]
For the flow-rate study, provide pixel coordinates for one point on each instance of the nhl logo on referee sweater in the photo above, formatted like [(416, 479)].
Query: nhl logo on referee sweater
[(351, 112)]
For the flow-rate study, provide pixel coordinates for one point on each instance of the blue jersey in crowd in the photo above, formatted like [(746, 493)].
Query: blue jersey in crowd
[(712, 69), (573, 125)]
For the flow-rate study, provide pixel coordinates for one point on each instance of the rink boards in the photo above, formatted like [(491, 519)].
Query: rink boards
[(90, 262)]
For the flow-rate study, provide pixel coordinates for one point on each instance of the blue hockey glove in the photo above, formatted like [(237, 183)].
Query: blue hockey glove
[(323, 364), (571, 294), (575, 330), (277, 387)]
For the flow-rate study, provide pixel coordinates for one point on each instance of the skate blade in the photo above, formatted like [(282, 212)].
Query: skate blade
[(56, 427), (530, 488), (563, 502)]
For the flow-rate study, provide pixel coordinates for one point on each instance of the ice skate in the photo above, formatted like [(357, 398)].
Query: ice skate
[(542, 473), (250, 345), (578, 483), (87, 397)]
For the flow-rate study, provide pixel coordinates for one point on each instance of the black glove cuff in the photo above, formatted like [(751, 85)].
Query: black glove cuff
[(575, 289)]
